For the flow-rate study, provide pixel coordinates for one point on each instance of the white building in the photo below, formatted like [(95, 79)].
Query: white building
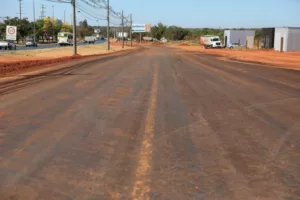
[(237, 36), (287, 39)]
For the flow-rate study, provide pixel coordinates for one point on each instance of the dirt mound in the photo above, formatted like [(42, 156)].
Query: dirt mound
[(6, 68), (183, 44), (157, 43), (12, 67)]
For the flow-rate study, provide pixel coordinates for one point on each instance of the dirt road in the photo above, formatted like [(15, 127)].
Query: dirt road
[(156, 124)]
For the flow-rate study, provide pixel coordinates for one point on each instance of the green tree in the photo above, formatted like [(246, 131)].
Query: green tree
[(49, 27), (58, 26), (83, 24), (158, 31), (84, 29), (66, 27), (39, 24), (176, 33), (24, 27)]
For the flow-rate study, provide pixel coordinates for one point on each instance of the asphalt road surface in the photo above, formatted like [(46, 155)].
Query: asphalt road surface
[(55, 45), (154, 124)]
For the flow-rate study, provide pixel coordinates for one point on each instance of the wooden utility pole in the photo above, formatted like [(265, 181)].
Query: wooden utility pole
[(108, 41), (53, 23), (74, 28), (34, 39), (122, 30), (130, 30)]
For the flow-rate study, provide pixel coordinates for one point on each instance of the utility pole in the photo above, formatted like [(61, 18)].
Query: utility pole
[(42, 12), (34, 39), (74, 28), (53, 20), (122, 30), (20, 8), (130, 30), (108, 42), (64, 16)]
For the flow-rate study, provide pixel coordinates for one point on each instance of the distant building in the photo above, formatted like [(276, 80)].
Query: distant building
[(287, 39), (237, 36)]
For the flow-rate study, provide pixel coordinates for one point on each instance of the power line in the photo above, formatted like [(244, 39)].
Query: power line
[(93, 4), (73, 2), (88, 12)]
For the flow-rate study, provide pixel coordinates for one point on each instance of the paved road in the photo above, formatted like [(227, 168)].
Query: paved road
[(156, 124), (50, 46)]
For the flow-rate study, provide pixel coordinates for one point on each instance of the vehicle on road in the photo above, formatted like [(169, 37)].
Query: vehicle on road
[(234, 45), (211, 41), (65, 38), (31, 43), (7, 45), (90, 39), (164, 40)]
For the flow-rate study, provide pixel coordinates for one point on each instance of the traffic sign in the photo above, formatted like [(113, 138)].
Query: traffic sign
[(11, 33)]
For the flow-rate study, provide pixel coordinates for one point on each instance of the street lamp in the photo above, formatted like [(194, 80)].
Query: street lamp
[(53, 24), (33, 20)]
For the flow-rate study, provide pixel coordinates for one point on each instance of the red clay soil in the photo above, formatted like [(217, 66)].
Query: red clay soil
[(157, 43), (134, 44), (13, 67), (183, 44)]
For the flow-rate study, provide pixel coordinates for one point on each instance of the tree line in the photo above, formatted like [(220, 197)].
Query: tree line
[(47, 26), (178, 33)]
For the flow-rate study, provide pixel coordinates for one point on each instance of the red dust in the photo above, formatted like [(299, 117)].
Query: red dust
[(12, 67)]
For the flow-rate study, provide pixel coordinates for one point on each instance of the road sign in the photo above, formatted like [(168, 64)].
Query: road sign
[(141, 28), (11, 33)]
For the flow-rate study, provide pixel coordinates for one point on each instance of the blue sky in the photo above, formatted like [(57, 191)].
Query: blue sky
[(187, 13)]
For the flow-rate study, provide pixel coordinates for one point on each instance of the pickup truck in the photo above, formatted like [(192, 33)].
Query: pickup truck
[(89, 39), (7, 45)]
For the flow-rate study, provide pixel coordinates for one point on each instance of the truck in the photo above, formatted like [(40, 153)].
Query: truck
[(7, 45), (211, 41), (90, 39)]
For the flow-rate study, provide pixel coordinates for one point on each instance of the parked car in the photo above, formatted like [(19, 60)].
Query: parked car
[(234, 45), (164, 40), (31, 43), (7, 45)]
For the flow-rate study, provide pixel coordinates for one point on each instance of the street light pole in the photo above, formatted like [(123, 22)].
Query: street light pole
[(108, 41), (130, 30), (53, 24), (122, 30), (74, 28), (33, 21)]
